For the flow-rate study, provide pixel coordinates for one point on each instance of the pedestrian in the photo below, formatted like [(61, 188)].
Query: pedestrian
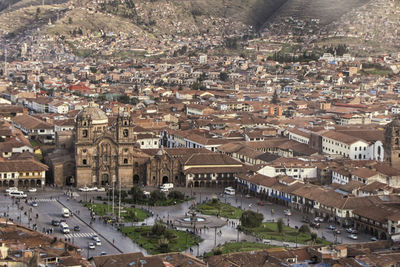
[(113, 241)]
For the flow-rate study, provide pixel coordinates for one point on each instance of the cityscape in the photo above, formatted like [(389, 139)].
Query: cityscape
[(202, 133)]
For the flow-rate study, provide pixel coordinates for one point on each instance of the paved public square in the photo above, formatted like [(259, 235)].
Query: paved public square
[(51, 201)]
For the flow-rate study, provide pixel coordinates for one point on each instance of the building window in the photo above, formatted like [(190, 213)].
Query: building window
[(142, 143), (84, 162), (12, 175), (125, 161), (125, 122), (126, 133), (84, 150), (84, 123), (84, 133), (125, 150)]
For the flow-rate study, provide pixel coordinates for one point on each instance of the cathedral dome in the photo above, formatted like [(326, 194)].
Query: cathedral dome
[(95, 114)]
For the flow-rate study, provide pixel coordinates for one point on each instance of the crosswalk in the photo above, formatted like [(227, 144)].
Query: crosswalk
[(42, 200), (75, 235)]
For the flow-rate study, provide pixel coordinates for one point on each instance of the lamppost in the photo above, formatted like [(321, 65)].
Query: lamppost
[(215, 237)]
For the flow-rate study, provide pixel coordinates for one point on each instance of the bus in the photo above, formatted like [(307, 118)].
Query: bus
[(229, 191), (64, 228)]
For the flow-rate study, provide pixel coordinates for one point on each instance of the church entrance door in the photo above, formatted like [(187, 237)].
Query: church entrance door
[(105, 179)]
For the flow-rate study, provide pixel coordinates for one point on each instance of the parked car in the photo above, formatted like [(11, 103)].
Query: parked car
[(55, 222), (103, 253), (247, 196), (34, 204), (374, 238), (315, 225), (305, 220), (84, 189), (91, 245), (260, 203), (97, 241), (337, 232), (287, 212), (32, 190), (11, 189), (101, 189), (351, 231), (94, 188), (165, 190), (318, 219), (77, 228), (353, 236), (331, 227)]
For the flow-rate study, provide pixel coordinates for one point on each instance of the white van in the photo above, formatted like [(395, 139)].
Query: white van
[(66, 213), (167, 186), (17, 194), (64, 228), (229, 191)]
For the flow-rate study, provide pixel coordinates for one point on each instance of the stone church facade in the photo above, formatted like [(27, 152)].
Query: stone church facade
[(103, 151), (107, 153)]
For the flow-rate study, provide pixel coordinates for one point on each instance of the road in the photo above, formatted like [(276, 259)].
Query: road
[(51, 201)]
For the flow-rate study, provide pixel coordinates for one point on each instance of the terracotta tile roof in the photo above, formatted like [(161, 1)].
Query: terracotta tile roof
[(22, 166), (344, 138), (364, 173), (31, 123), (211, 159), (127, 259)]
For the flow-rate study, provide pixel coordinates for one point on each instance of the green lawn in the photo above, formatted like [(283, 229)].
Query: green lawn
[(238, 247), (34, 143), (269, 230), (374, 71), (177, 240), (129, 214), (217, 208)]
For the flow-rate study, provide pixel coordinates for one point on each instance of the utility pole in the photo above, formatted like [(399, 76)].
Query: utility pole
[(113, 198), (119, 201)]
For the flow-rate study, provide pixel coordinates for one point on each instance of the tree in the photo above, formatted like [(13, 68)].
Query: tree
[(275, 98), (176, 195), (223, 76), (157, 195), (37, 13), (251, 219), (231, 43), (279, 225), (304, 229), (137, 195), (313, 237), (158, 229), (163, 245), (124, 99)]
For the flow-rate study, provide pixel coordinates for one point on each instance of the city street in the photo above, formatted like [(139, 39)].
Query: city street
[(52, 201)]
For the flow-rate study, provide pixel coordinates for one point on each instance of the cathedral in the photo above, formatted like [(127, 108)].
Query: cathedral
[(105, 151)]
